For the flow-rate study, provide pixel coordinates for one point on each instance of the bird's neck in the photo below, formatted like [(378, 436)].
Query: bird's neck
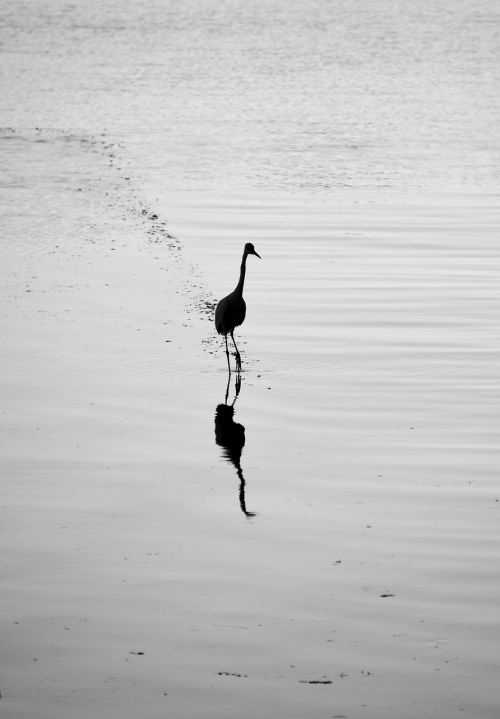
[(241, 281)]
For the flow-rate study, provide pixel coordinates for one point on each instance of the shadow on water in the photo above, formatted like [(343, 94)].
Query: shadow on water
[(230, 435)]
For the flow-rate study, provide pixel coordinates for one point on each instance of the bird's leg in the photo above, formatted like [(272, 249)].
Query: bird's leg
[(227, 355), (237, 386), (238, 357), (227, 387)]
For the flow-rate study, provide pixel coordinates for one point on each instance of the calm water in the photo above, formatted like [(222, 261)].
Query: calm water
[(319, 98), (356, 144)]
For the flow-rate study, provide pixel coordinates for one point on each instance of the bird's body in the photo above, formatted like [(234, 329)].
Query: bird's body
[(231, 310), (230, 313)]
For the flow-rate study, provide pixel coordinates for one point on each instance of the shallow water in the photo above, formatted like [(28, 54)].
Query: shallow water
[(369, 399), (365, 584), (319, 99)]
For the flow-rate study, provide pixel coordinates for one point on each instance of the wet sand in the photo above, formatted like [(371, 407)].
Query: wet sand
[(366, 583)]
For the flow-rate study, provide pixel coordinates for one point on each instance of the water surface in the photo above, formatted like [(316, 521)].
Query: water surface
[(330, 550)]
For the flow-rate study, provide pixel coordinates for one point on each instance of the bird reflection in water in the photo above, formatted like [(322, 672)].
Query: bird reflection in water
[(230, 435)]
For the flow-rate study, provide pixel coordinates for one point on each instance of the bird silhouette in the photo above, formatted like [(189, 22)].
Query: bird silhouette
[(231, 310), (230, 436)]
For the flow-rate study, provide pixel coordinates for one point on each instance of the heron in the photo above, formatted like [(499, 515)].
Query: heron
[(231, 310)]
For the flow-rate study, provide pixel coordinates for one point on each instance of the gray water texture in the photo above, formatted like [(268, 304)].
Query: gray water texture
[(321, 98)]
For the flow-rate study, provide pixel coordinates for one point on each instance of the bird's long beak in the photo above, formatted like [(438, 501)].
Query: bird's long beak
[(256, 253)]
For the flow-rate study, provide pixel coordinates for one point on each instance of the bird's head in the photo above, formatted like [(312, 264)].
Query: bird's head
[(250, 250)]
